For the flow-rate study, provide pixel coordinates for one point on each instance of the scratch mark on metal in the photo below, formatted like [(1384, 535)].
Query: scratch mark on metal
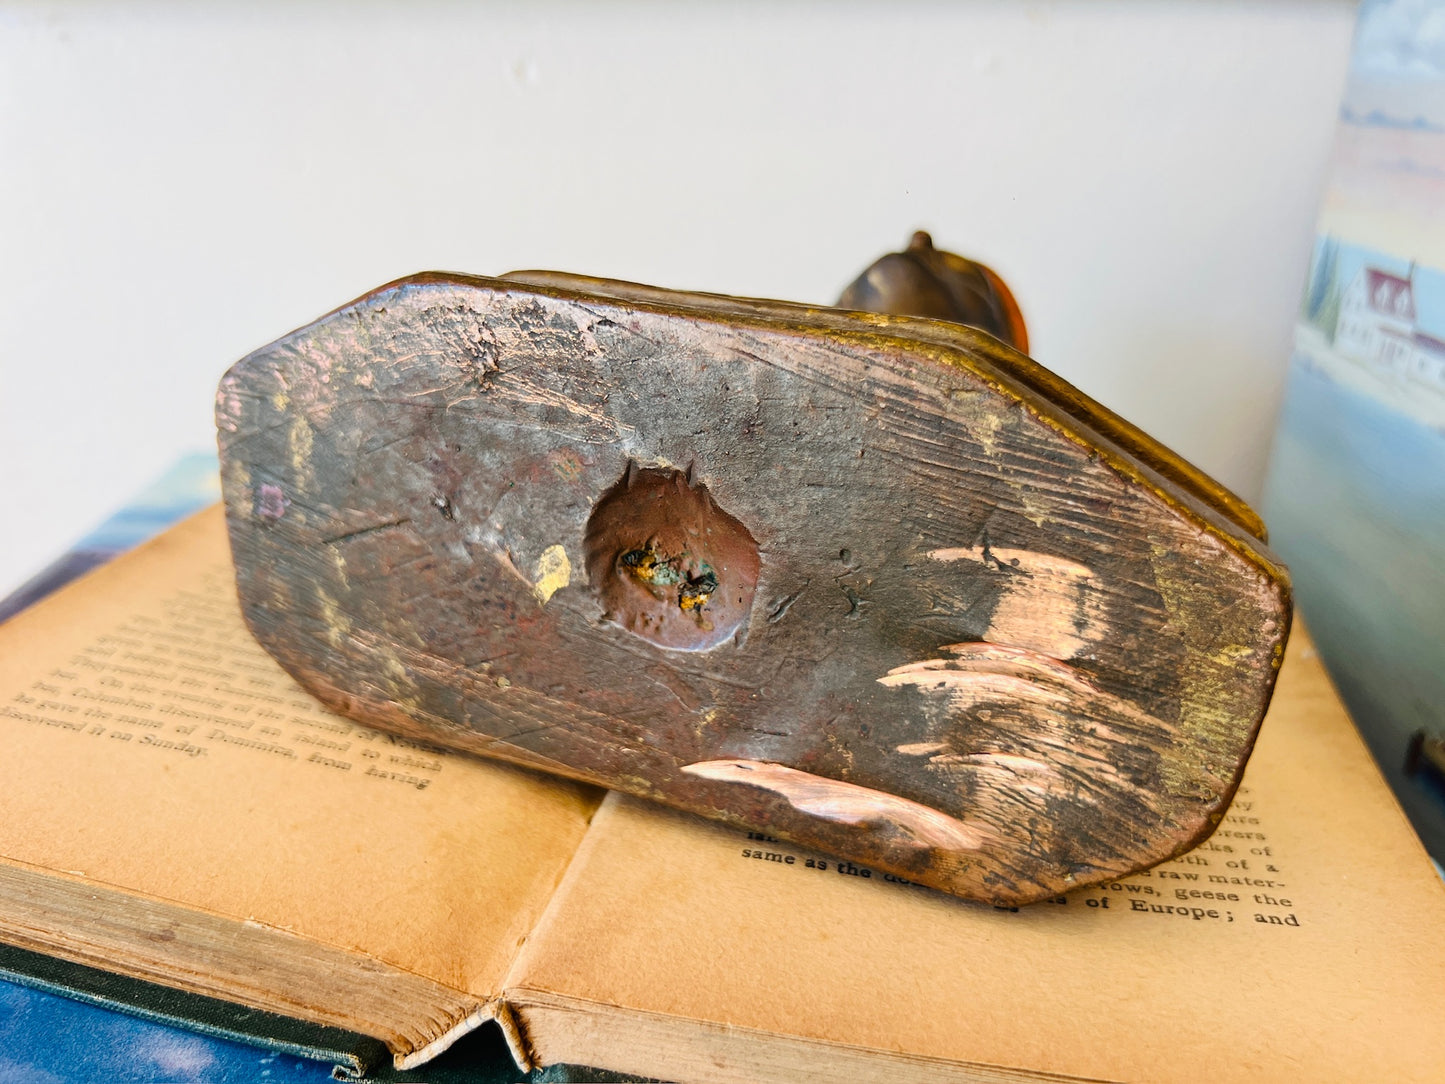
[(914, 824), (347, 536), (781, 609)]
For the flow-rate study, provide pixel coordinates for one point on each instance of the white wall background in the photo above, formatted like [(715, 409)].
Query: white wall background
[(180, 183)]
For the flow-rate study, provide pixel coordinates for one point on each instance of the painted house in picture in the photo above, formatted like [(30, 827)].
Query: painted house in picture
[(1378, 326)]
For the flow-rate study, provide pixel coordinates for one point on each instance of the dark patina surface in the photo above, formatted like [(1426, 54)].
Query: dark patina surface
[(878, 585)]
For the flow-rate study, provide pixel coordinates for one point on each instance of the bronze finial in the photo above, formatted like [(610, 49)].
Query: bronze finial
[(926, 281)]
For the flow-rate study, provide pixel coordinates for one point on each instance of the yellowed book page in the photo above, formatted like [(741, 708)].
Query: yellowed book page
[(1304, 941), (148, 744)]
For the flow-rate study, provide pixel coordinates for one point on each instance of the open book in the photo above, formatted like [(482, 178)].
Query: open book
[(174, 809)]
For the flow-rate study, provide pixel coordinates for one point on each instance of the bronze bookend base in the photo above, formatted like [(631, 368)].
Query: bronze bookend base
[(878, 585)]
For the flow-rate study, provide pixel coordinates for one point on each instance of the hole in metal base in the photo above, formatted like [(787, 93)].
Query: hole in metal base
[(668, 564)]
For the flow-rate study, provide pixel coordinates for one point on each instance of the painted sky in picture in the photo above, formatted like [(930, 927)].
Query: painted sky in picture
[(1387, 190)]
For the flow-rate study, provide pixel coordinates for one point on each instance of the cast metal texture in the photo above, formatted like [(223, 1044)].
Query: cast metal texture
[(871, 584)]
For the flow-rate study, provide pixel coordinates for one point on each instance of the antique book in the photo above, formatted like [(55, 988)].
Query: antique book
[(67, 1021), (174, 809)]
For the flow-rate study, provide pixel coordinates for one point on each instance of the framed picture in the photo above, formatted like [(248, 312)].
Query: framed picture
[(1355, 496)]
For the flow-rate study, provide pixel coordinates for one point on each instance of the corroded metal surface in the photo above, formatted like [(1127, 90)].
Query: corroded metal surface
[(667, 563), (864, 583)]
